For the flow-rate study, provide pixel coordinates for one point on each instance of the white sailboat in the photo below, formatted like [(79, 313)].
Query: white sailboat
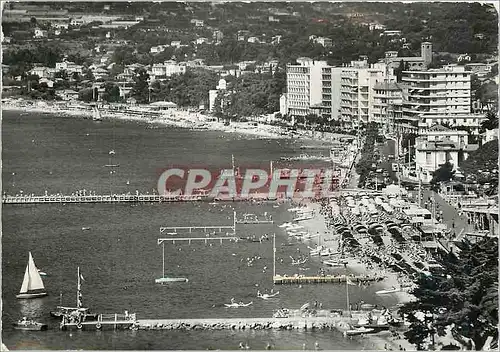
[(32, 286), (163, 279)]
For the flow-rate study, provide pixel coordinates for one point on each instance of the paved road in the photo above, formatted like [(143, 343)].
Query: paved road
[(450, 215)]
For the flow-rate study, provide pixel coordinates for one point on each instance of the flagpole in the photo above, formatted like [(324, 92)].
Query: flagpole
[(78, 289), (274, 256), (347, 291)]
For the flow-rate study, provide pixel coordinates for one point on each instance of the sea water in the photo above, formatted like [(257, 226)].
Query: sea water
[(119, 257)]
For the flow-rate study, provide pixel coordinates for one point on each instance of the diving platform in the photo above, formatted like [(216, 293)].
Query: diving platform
[(116, 321)]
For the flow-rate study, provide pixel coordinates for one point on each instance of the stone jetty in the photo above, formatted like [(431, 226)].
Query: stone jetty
[(292, 323)]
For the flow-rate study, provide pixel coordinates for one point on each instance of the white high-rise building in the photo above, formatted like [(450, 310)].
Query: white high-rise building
[(330, 107), (438, 96), (438, 91), (304, 88), (357, 91)]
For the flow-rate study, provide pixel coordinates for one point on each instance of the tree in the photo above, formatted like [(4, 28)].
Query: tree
[(111, 92), (218, 105), (484, 158), (86, 95), (77, 78), (464, 301), (140, 90), (442, 174)]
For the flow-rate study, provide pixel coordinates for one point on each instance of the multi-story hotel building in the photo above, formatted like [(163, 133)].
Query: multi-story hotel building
[(330, 89), (438, 96), (387, 104), (304, 89), (357, 92)]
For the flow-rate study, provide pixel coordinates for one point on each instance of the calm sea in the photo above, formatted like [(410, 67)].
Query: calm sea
[(119, 256)]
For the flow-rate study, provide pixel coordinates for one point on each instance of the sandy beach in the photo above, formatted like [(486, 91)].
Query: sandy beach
[(381, 340), (175, 118)]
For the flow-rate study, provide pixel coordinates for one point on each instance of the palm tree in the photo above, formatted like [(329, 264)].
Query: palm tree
[(491, 121)]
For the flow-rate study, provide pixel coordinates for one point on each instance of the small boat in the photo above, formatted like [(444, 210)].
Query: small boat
[(286, 224), (309, 236), (42, 273), (32, 286), (237, 305), (25, 324), (298, 262), (266, 295), (384, 292), (297, 209), (367, 306), (335, 263), (303, 218), (316, 251), (112, 165), (85, 228), (165, 280), (61, 311), (358, 331)]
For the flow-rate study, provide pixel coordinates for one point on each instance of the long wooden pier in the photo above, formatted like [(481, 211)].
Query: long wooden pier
[(114, 198), (124, 198), (330, 279)]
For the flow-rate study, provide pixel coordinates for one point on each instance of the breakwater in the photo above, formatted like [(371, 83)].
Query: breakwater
[(332, 279), (291, 323)]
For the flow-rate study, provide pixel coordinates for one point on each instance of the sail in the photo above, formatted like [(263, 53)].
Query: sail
[(32, 279)]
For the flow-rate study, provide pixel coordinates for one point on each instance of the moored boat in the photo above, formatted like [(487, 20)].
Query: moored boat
[(385, 292), (31, 325), (61, 311), (335, 263), (359, 331)]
